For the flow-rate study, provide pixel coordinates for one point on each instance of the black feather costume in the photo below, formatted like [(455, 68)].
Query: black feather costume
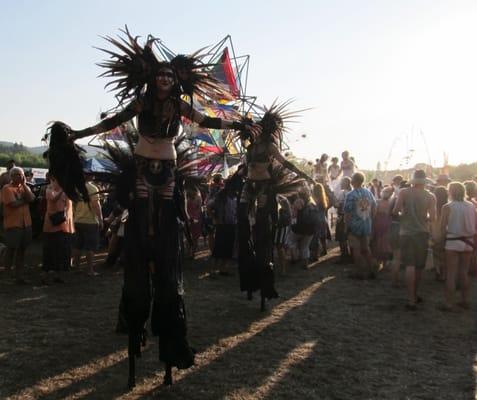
[(151, 189), (256, 243)]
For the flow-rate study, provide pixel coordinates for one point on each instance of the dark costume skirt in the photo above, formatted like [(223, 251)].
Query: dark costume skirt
[(224, 241), (152, 255), (256, 243)]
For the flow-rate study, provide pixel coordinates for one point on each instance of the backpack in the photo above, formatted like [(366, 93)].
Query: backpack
[(309, 220)]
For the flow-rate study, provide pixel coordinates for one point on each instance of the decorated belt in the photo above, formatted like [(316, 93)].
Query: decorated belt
[(155, 172)]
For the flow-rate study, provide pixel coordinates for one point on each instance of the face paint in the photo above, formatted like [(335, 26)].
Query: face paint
[(165, 79)]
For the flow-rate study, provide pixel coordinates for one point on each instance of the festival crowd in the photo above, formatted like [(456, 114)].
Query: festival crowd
[(405, 226)]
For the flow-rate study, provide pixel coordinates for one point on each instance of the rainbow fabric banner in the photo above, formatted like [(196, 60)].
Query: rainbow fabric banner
[(224, 72)]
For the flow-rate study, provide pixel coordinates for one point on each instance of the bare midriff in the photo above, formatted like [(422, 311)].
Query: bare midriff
[(156, 148), (258, 171)]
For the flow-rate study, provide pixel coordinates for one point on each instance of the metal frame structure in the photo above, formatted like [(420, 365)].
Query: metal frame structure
[(240, 63), (245, 104)]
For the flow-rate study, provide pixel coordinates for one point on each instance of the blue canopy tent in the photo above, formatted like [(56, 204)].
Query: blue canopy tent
[(99, 165)]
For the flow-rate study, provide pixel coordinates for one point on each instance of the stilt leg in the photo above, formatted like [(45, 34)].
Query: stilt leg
[(168, 375), (132, 362)]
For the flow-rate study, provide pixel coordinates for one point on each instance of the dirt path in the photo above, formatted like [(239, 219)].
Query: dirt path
[(327, 337)]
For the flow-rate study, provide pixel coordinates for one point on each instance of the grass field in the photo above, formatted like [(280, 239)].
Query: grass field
[(326, 337)]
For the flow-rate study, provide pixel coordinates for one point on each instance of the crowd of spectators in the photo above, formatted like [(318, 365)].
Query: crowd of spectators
[(404, 225)]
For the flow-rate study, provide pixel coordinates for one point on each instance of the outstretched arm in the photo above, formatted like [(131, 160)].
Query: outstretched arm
[(208, 122), (287, 164), (107, 124)]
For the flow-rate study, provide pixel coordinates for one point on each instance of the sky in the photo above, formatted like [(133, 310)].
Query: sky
[(393, 82)]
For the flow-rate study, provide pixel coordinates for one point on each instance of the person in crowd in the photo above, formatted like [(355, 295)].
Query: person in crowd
[(320, 170), (30, 179), (376, 187), (16, 197), (292, 200), (458, 225), (416, 207), (398, 183), (471, 195), (194, 211), (282, 231), (208, 226), (438, 253), (359, 208), (471, 192), (58, 229), (321, 234), (316, 168), (88, 219), (224, 211), (216, 185), (443, 180), (341, 234), (347, 166), (114, 222), (304, 228), (5, 177), (333, 170), (382, 249)]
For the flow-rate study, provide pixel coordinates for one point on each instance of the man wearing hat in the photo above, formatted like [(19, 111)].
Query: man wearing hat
[(416, 207), (443, 180)]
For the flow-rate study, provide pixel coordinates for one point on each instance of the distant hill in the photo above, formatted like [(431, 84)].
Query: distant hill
[(91, 151)]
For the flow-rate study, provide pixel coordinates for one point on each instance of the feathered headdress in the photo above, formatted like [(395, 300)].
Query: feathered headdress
[(273, 123), (133, 66)]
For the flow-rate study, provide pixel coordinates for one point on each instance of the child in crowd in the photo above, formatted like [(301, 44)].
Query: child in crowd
[(321, 234), (304, 228)]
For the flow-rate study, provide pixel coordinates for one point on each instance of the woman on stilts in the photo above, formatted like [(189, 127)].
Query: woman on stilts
[(266, 177), (150, 186)]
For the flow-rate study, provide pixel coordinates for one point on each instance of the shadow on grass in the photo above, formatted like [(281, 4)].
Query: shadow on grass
[(337, 339), (59, 340)]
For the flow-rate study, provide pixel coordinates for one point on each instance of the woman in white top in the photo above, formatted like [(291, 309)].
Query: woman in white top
[(458, 227)]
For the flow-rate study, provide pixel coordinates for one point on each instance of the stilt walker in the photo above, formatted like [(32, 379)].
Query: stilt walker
[(269, 173), (159, 93)]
